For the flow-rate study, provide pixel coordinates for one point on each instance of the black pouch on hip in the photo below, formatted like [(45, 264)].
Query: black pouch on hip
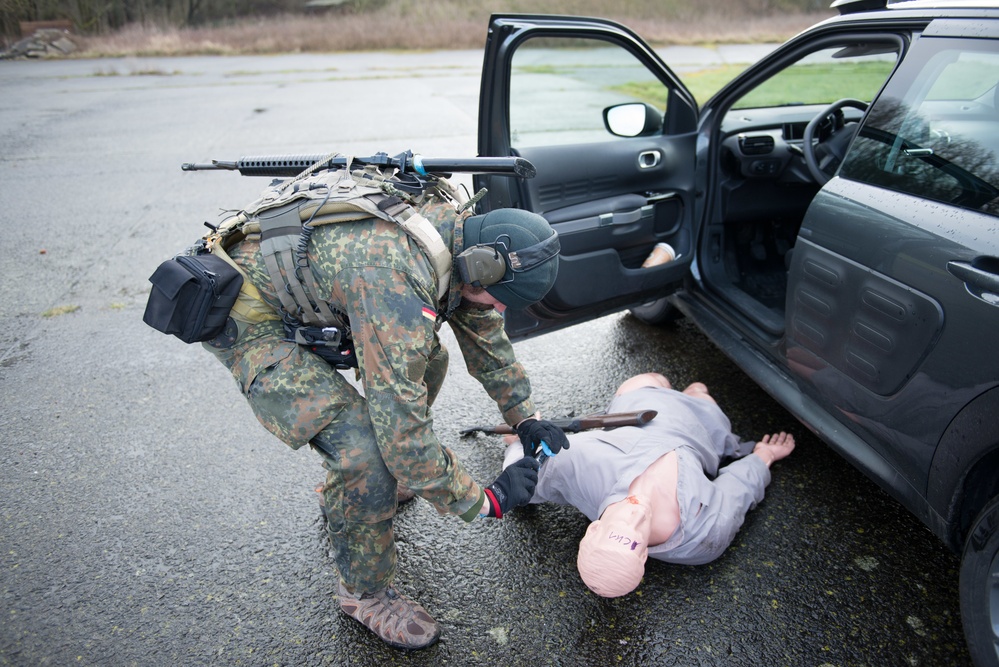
[(192, 296)]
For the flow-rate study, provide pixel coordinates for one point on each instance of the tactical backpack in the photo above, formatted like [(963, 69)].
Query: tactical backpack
[(284, 218)]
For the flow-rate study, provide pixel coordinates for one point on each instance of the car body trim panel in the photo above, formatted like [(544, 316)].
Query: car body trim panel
[(891, 325), (772, 379)]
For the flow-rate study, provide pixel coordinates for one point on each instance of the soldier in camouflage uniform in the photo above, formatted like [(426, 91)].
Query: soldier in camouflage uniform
[(373, 274)]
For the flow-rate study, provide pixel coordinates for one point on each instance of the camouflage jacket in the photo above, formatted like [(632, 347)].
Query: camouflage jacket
[(377, 276)]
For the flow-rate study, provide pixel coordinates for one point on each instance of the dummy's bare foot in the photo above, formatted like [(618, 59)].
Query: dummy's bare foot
[(774, 447), (698, 390)]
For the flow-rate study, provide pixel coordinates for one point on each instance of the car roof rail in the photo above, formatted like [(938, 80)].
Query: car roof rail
[(855, 6)]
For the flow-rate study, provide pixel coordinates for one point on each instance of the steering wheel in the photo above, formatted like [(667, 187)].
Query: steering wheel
[(823, 158)]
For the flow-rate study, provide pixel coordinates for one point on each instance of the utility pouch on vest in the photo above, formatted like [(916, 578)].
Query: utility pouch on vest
[(191, 296), (325, 342)]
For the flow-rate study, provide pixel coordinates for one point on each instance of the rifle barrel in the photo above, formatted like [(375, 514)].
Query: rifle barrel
[(293, 165)]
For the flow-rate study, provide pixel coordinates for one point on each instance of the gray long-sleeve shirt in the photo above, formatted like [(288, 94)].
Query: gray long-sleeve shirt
[(599, 467)]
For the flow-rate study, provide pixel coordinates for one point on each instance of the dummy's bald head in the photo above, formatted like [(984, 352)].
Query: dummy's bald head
[(612, 554)]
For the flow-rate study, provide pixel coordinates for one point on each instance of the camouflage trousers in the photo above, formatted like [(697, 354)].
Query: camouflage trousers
[(297, 395)]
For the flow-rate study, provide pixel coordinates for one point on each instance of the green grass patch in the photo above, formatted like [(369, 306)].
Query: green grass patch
[(702, 84), (819, 84), (537, 69), (801, 84), (60, 310)]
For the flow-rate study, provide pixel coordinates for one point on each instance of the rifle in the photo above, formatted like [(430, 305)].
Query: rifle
[(406, 162), (576, 424)]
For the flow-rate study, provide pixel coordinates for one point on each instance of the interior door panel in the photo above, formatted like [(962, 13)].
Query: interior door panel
[(610, 198), (589, 173), (609, 213)]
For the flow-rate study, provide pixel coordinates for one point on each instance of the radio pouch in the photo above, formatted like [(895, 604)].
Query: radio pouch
[(191, 296)]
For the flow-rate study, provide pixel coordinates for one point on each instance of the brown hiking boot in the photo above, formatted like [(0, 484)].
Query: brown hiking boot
[(397, 620)]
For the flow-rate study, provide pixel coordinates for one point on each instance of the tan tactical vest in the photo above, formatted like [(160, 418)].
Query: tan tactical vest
[(285, 215)]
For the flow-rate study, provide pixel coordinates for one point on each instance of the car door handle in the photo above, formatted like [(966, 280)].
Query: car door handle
[(649, 159), (624, 217), (979, 280)]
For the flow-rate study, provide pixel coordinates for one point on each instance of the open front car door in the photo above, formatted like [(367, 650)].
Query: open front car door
[(612, 133)]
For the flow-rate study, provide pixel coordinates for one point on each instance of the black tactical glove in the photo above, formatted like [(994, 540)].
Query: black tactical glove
[(514, 487), (533, 432)]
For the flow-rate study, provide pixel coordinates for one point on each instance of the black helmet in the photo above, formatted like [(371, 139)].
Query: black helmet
[(512, 253)]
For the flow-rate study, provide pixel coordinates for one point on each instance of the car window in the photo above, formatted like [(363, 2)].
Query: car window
[(825, 76), (560, 87), (934, 132)]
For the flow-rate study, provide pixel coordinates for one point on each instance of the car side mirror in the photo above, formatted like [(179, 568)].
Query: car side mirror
[(633, 119)]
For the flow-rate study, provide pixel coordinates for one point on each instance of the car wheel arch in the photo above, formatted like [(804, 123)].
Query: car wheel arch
[(980, 486), (964, 474)]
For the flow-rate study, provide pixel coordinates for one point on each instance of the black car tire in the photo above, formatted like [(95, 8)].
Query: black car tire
[(657, 312), (980, 587)]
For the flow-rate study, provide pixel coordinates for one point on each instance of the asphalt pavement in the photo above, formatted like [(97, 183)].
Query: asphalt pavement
[(147, 519)]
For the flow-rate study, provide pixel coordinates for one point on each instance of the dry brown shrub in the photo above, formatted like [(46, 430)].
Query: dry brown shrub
[(448, 24), (725, 30)]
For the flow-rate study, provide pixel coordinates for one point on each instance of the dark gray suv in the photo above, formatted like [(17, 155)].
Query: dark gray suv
[(833, 211)]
